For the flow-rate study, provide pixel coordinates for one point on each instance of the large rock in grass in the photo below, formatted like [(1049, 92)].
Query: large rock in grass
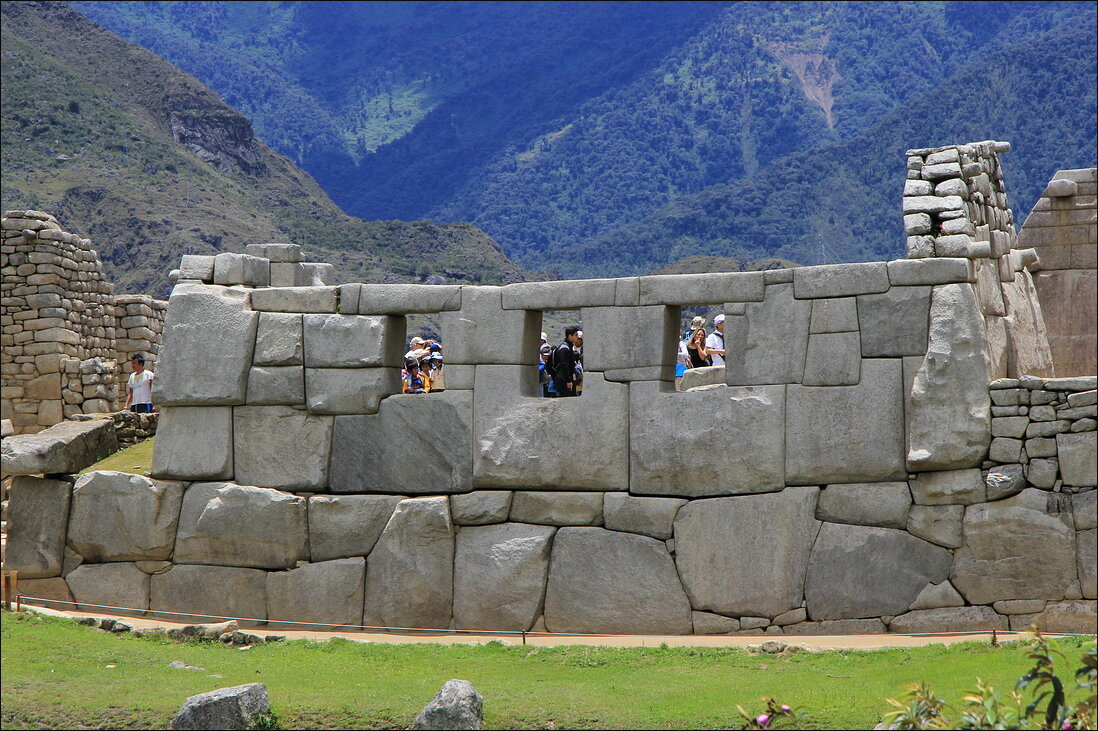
[(606, 582), (410, 574), (63, 448), (327, 593), (117, 516), (456, 706), (499, 575), (747, 556), (239, 707), (38, 515)]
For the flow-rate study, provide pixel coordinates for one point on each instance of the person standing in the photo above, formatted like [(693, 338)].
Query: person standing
[(714, 344), (139, 387), (699, 356), (562, 364)]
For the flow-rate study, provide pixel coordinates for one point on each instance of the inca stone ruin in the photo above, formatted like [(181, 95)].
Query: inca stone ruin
[(888, 449)]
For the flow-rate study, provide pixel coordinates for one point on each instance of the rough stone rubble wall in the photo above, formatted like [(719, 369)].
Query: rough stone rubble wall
[(64, 330), (1063, 229)]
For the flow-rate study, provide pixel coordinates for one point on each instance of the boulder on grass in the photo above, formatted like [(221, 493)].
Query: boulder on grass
[(456, 706), (239, 707)]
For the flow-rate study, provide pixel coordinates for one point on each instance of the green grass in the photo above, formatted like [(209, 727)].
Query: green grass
[(55, 675), (136, 459)]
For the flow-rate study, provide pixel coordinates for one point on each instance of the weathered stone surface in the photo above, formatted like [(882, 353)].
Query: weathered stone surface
[(894, 323), (949, 487), (402, 299), (210, 590), (239, 525), (707, 623), (610, 336), (353, 341), (883, 504), (270, 385), (860, 571), (840, 280), (410, 575), (196, 266), (117, 516), (328, 592), (838, 627), (836, 315), (603, 581), (1085, 509), (706, 376), (342, 526), (349, 390), (793, 616), (949, 619), (63, 448), (1078, 455), (1015, 549), (54, 588), (1020, 606), (915, 272), (936, 596), (557, 508), (833, 359), (499, 575), (650, 516), (38, 516), (701, 289), (433, 433), (737, 448), (847, 433), (194, 443), (1075, 617), (278, 340), (1003, 449), (279, 446), (1004, 481), (194, 367), (296, 299), (950, 418), (1009, 426), (481, 507), (524, 441), (770, 340), (716, 549), (483, 332), (239, 707), (109, 584), (939, 524), (1086, 544), (275, 253), (230, 268), (456, 706)]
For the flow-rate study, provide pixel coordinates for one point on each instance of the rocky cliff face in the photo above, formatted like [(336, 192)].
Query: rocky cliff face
[(220, 137)]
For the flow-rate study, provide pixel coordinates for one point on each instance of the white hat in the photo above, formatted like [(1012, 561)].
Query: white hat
[(718, 319), (543, 337)]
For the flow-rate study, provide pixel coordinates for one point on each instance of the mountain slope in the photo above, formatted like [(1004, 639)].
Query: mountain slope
[(149, 163)]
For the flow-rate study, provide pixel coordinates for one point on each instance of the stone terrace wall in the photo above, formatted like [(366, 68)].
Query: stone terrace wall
[(1064, 231)]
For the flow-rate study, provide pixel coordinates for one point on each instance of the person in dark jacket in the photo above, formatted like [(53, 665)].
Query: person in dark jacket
[(563, 363)]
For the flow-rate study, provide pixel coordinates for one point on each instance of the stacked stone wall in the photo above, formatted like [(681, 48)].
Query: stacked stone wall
[(64, 330)]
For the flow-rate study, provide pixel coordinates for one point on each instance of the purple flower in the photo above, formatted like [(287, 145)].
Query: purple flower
[(786, 709), (1068, 726), (762, 720)]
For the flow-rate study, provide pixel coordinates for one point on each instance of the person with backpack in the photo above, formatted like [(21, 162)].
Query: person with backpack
[(714, 344), (562, 364)]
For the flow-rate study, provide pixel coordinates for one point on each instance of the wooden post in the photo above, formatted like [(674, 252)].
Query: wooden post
[(10, 580)]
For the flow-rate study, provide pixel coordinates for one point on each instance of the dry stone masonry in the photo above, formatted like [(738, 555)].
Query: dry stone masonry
[(871, 459)]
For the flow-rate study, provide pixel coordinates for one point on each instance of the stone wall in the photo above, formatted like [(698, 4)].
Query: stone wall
[(1063, 229), (64, 331)]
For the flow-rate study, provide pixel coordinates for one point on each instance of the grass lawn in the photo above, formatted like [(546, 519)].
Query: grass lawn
[(55, 674), (136, 459)]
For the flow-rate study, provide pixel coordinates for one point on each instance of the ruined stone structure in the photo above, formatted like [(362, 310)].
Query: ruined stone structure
[(67, 339), (877, 457)]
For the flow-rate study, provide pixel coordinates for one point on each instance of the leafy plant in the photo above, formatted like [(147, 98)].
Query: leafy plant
[(777, 716)]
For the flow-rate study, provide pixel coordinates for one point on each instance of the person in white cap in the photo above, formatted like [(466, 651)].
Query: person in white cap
[(714, 344)]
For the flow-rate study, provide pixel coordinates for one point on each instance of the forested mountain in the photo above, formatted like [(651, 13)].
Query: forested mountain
[(150, 164), (555, 126)]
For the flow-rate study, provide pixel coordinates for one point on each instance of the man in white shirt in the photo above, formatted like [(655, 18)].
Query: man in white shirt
[(139, 387), (714, 344)]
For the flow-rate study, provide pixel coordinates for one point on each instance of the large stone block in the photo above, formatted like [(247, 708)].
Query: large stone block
[(275, 253), (410, 574), (49, 589), (499, 575), (941, 524), (565, 295), (939, 270), (480, 507), (1074, 617), (117, 516), (699, 377), (196, 266), (837, 315), (279, 446), (949, 619), (522, 440), (1078, 455), (110, 585), (833, 359), (723, 441), (1084, 508), (353, 341), (949, 425), (606, 582), (629, 337), (847, 433), (723, 569), (415, 444), (894, 323), (349, 390), (209, 336), (329, 592), (650, 516), (269, 385), (38, 517), (278, 340), (861, 571), (936, 596), (194, 443), (1016, 549), (251, 271), (457, 705), (63, 448), (342, 526), (216, 591), (557, 508), (949, 487), (230, 709), (402, 299), (840, 280), (239, 525), (770, 340), (1086, 545), (483, 332), (296, 299), (883, 504), (701, 289)]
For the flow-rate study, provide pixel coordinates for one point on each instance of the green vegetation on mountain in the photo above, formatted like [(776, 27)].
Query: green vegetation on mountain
[(150, 164)]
